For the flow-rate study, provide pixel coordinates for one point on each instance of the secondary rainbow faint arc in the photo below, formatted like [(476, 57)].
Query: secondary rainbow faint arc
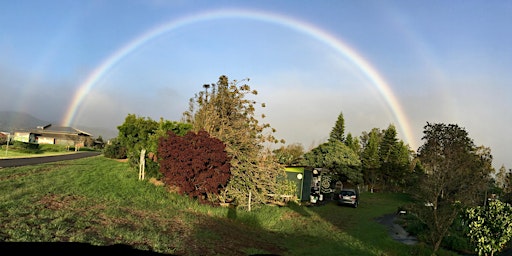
[(344, 49)]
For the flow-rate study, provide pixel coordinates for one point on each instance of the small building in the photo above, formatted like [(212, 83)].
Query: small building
[(313, 184), (4, 136), (51, 134)]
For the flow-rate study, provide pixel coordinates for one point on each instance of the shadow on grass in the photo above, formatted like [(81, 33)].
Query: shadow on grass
[(70, 248), (298, 209)]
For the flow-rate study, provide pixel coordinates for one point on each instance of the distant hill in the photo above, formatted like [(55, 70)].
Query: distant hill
[(11, 121), (105, 133)]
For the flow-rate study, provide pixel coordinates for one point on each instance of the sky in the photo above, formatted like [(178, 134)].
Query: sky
[(379, 63)]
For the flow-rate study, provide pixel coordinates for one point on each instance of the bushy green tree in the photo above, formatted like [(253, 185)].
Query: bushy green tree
[(489, 227), (370, 160), (134, 135), (137, 133), (395, 159), (290, 154), (338, 158), (114, 149), (353, 143), (454, 177), (226, 111)]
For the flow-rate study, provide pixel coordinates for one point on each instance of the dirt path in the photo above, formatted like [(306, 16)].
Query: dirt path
[(396, 231)]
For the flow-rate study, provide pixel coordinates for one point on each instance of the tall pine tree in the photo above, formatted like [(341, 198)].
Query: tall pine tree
[(338, 131), (370, 159)]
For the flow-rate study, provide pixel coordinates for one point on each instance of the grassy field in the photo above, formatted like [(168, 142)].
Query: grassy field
[(100, 202)]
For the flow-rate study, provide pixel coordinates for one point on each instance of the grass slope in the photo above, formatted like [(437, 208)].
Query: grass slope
[(99, 203)]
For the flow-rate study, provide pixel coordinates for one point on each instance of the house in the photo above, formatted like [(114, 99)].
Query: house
[(51, 134), (4, 136)]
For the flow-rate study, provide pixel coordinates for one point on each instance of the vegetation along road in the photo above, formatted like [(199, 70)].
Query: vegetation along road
[(12, 162)]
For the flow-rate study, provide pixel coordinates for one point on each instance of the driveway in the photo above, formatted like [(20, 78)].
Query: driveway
[(12, 162), (396, 231)]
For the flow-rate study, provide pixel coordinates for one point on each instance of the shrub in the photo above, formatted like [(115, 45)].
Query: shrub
[(53, 148), (196, 164), (26, 147), (115, 150)]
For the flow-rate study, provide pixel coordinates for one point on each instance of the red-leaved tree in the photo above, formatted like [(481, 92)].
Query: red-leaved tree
[(195, 164)]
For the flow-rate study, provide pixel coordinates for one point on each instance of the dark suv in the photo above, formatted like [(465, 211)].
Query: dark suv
[(348, 196)]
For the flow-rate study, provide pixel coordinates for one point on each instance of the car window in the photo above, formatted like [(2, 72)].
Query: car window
[(347, 193)]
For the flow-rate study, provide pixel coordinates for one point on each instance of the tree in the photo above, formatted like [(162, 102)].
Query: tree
[(137, 133), (338, 131), (454, 176), (225, 111), (395, 159), (388, 154), (370, 159), (195, 163), (338, 158), (134, 135), (490, 228), (290, 154), (353, 143), (501, 178), (508, 187), (114, 150)]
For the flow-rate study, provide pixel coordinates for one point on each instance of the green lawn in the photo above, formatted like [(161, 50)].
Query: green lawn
[(100, 201), (12, 151)]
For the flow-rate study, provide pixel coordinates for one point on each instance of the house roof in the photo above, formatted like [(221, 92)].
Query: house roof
[(55, 129)]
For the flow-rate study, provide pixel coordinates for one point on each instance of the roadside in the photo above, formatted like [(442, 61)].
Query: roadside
[(12, 162)]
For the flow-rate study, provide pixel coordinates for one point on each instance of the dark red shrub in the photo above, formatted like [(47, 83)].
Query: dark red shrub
[(195, 163)]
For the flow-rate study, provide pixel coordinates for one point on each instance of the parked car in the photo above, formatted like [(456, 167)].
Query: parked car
[(348, 196)]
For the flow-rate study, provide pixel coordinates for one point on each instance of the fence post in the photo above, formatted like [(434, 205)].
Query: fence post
[(250, 200)]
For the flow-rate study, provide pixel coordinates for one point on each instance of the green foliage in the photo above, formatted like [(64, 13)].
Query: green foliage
[(26, 147), (290, 154), (338, 131), (353, 143), (115, 150), (137, 133), (134, 135), (53, 148), (370, 160), (455, 174), (338, 158), (395, 159), (490, 227)]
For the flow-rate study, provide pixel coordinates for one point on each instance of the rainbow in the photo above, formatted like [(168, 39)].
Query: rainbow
[(342, 48)]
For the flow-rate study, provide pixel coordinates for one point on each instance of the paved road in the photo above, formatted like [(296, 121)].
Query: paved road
[(11, 162)]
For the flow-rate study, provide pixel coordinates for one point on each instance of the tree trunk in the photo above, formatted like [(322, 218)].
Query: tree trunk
[(436, 246)]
